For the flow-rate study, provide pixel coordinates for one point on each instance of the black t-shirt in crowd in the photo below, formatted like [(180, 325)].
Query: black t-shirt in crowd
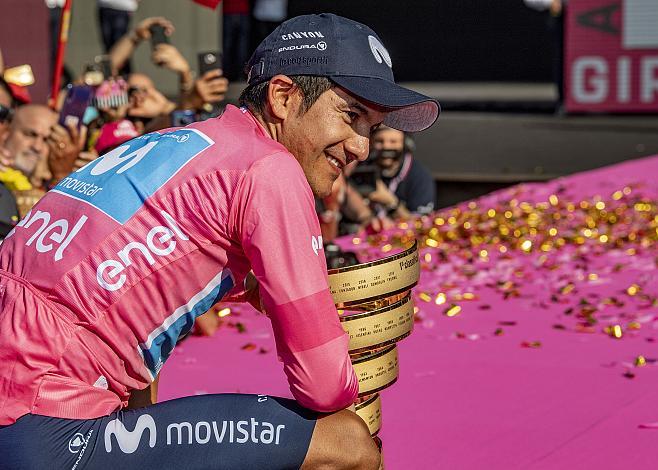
[(415, 187)]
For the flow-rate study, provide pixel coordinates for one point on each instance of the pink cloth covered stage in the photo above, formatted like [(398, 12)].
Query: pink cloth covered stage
[(536, 333)]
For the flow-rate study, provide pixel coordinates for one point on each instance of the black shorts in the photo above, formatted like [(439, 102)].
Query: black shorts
[(227, 431)]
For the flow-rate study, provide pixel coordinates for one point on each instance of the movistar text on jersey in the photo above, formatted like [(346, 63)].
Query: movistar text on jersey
[(79, 186)]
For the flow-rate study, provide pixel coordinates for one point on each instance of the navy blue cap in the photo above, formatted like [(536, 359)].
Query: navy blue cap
[(349, 53)]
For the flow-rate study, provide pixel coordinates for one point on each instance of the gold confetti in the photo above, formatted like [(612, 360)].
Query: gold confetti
[(356, 241), (614, 330), (468, 296), (223, 312), (600, 205), (526, 245), (431, 242), (568, 288), (640, 361), (388, 247), (633, 289), (452, 311), (553, 200), (440, 299), (593, 277), (425, 296)]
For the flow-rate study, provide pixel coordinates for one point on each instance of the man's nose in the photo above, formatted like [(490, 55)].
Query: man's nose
[(358, 146), (39, 145)]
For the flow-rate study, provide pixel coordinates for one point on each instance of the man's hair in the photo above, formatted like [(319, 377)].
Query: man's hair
[(311, 87)]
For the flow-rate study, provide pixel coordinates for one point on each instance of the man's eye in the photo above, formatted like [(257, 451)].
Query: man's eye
[(352, 115)]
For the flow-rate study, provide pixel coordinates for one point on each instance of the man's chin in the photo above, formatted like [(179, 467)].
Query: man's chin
[(322, 190)]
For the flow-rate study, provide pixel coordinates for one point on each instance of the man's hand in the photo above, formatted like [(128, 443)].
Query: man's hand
[(65, 147), (167, 56), (383, 196), (143, 29), (83, 159), (149, 103), (209, 88)]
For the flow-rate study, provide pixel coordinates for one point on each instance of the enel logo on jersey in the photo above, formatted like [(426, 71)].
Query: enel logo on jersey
[(119, 182)]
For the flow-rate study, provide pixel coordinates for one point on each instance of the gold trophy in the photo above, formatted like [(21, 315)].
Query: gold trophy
[(376, 310)]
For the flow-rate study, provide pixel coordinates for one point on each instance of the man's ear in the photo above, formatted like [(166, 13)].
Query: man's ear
[(282, 97)]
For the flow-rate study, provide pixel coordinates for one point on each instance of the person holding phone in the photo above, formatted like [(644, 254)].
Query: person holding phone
[(209, 87), (121, 257)]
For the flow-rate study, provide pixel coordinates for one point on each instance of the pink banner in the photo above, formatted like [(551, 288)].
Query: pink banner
[(611, 56)]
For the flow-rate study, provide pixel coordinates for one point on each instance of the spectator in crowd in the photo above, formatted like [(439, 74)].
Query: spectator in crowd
[(27, 141), (406, 186), (114, 20), (235, 37), (146, 100), (402, 187)]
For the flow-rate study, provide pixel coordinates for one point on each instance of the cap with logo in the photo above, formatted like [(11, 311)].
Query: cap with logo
[(115, 133), (351, 55)]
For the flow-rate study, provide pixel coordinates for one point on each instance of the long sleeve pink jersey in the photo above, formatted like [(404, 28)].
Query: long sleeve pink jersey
[(107, 271)]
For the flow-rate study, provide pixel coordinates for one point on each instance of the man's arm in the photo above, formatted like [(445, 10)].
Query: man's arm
[(145, 397), (278, 228), (124, 48)]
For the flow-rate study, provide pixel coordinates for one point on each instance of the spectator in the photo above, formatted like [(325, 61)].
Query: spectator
[(402, 187), (405, 186), (26, 142), (114, 20), (235, 37), (24, 151), (210, 88)]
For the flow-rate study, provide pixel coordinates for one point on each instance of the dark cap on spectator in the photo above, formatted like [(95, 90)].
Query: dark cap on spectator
[(351, 55)]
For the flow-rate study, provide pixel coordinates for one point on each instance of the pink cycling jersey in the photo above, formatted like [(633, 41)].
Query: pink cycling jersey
[(105, 273)]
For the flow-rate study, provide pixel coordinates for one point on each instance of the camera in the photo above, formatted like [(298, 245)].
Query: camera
[(337, 258), (364, 178), (209, 61), (158, 35)]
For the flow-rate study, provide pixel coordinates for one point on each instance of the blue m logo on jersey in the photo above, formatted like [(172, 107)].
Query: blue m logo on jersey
[(119, 182)]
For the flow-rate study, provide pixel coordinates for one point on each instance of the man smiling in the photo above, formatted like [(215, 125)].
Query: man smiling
[(221, 209)]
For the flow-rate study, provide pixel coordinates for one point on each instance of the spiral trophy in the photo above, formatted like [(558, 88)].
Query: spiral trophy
[(377, 311)]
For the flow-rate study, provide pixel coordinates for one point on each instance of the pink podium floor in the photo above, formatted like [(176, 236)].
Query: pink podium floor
[(527, 352)]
